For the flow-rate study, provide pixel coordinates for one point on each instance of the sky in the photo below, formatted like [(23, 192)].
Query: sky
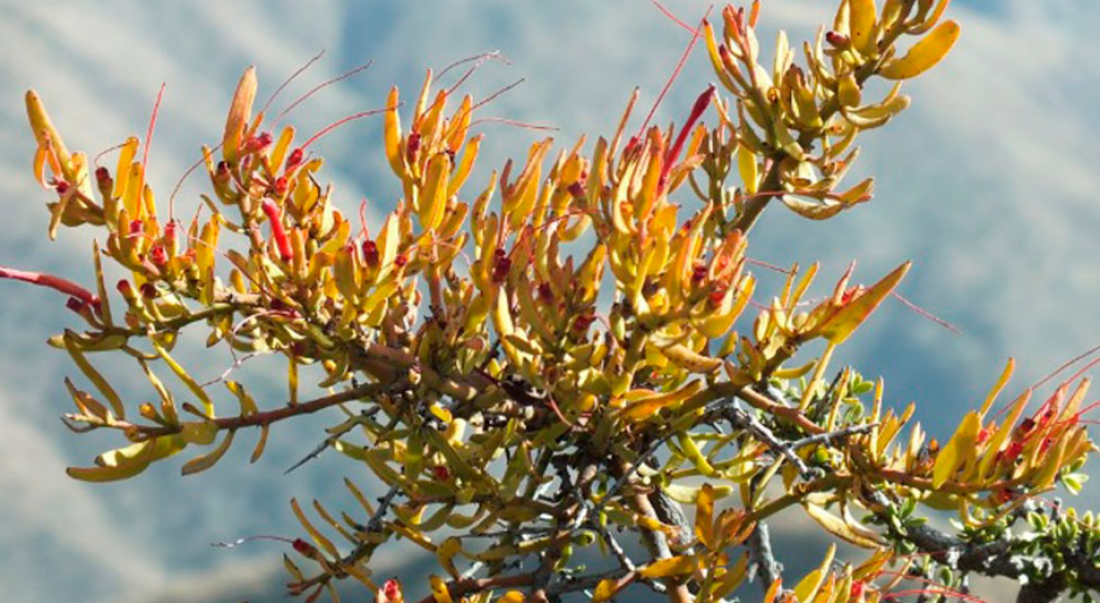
[(988, 183)]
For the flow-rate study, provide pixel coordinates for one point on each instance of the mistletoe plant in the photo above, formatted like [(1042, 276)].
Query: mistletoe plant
[(520, 404)]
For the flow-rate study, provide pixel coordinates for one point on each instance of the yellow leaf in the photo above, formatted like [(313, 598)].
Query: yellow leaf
[(840, 325), (689, 495), (958, 450), (924, 54), (44, 131), (206, 461), (861, 21), (839, 528), (446, 554), (704, 516), (93, 375), (440, 591), (604, 590), (808, 587), (513, 596), (673, 566), (998, 387)]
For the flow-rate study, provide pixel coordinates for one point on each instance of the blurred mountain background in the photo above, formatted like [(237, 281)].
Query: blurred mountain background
[(989, 182)]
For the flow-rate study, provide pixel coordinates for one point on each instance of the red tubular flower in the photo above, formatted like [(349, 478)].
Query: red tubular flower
[(51, 281), (701, 104), (277, 231)]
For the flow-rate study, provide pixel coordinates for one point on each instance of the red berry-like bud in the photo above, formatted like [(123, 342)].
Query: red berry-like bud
[(441, 473), (546, 292), (136, 226), (838, 39), (125, 288), (304, 547), (148, 291), (715, 297), (577, 189), (698, 272), (258, 143), (392, 590), (501, 267), (101, 174), (370, 253), (158, 255), (75, 304), (400, 260), (412, 147), (295, 159), (281, 185), (61, 187)]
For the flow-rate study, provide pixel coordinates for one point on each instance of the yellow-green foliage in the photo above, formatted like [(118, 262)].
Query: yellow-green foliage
[(511, 413)]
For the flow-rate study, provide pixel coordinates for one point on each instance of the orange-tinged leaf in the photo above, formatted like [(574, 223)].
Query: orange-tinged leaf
[(773, 591), (841, 324), (924, 54), (512, 596), (673, 566), (44, 131), (240, 111), (704, 516), (605, 590)]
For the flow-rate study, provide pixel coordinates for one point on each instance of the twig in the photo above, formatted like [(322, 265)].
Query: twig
[(331, 439), (765, 566)]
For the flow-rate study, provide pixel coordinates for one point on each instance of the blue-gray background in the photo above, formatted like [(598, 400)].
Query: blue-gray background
[(989, 183)]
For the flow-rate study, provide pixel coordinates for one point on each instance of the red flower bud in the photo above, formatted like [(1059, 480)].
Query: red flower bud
[(370, 253), (75, 304), (61, 187), (125, 288), (148, 291), (158, 255), (412, 147), (304, 547), (281, 186), (136, 226), (838, 39), (502, 265), (294, 159), (400, 260), (258, 143), (101, 174), (441, 473)]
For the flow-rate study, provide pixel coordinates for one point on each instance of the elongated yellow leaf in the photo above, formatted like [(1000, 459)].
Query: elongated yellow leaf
[(956, 453), (861, 20), (924, 54), (808, 587), (839, 528), (206, 461), (673, 566), (704, 516), (93, 375), (840, 325)]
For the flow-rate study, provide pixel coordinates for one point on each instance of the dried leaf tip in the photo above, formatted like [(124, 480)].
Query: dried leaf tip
[(240, 111)]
